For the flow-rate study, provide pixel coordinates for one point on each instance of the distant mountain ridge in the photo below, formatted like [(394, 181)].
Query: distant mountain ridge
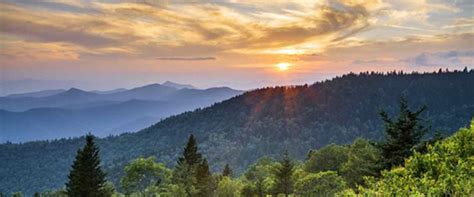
[(41, 93), (75, 96), (265, 121), (177, 85), (74, 112)]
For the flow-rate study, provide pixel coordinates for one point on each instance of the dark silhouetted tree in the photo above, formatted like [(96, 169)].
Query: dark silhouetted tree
[(190, 156), (86, 178), (401, 135), (227, 171)]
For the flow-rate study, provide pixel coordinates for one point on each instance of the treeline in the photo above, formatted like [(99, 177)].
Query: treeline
[(402, 164)]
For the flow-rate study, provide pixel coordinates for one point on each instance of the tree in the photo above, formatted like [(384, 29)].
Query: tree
[(184, 174), (446, 169), (330, 157), (86, 178), (284, 175), (227, 171), (258, 176), (203, 179), (363, 160), (326, 183), (228, 188), (142, 173), (190, 156), (401, 135)]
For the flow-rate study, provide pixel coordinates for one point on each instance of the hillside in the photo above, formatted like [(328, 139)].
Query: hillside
[(260, 122)]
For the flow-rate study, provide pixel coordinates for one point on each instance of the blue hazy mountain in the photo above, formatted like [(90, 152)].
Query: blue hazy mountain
[(75, 112), (41, 93), (177, 85), (77, 97)]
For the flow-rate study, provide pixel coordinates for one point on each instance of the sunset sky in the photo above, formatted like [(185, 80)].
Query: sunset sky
[(244, 45)]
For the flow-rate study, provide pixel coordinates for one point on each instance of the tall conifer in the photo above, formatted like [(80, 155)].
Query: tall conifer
[(401, 135), (284, 182), (185, 172), (190, 156), (86, 178), (227, 171), (203, 179)]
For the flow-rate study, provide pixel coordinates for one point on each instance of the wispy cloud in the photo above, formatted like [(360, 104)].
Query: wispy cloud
[(186, 58), (443, 58), (42, 36)]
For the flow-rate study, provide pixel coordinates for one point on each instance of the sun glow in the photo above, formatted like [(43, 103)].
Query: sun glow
[(283, 66)]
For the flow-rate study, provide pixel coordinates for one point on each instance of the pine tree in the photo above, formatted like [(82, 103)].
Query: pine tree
[(283, 173), (203, 179), (401, 135), (86, 178), (190, 156), (37, 194), (227, 171), (185, 172)]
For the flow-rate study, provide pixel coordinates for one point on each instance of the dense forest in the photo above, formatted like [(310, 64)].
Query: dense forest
[(402, 164), (250, 133)]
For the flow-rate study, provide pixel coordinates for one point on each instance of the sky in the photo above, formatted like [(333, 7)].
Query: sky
[(240, 44)]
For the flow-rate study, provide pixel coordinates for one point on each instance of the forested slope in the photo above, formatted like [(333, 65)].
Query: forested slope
[(260, 122)]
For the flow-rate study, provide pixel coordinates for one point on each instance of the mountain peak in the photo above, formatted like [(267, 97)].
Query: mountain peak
[(73, 90), (177, 85)]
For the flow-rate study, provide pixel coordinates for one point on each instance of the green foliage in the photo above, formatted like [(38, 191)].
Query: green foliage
[(445, 170), (185, 173), (259, 178), (142, 173), (330, 157), (173, 190), (17, 194), (228, 188), (401, 135), (204, 179), (326, 183), (86, 178), (284, 182), (363, 160)]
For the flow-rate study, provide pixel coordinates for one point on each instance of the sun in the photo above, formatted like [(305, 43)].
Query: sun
[(283, 66)]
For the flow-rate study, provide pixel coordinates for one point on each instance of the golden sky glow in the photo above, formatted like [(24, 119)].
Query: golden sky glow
[(227, 42), (283, 66)]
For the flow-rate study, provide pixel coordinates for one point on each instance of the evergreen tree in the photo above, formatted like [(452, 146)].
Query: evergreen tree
[(284, 175), (185, 172), (227, 171), (37, 194), (203, 179), (190, 156), (86, 178), (401, 135)]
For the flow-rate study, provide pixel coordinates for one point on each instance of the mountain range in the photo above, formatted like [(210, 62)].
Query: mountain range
[(52, 114), (264, 121)]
